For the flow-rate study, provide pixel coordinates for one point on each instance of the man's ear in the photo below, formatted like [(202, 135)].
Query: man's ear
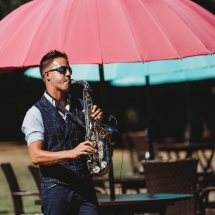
[(46, 76)]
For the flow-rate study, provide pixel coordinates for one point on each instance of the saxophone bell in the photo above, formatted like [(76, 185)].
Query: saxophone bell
[(107, 127)]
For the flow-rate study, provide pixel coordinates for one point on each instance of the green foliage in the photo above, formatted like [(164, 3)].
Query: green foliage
[(7, 6), (207, 4)]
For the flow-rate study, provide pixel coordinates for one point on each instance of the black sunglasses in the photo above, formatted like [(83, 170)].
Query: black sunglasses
[(62, 69)]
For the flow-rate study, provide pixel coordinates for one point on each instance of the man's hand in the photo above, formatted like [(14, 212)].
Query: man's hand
[(97, 114), (84, 148)]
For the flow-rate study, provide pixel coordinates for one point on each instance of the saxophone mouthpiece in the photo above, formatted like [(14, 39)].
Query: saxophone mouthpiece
[(72, 81)]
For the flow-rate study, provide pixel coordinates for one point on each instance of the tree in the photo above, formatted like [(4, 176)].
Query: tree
[(6, 6), (207, 4)]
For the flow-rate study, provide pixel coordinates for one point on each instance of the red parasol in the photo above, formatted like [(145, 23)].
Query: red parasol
[(106, 31)]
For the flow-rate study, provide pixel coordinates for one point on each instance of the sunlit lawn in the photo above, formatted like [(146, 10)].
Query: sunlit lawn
[(17, 154)]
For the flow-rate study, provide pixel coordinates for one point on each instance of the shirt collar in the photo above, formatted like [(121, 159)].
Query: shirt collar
[(68, 103)]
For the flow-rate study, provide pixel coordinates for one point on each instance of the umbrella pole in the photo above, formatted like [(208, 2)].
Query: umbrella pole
[(189, 112), (102, 88), (187, 133), (149, 120), (103, 106)]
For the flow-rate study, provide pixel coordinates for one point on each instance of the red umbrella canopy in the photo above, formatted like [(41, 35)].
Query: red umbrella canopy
[(106, 31)]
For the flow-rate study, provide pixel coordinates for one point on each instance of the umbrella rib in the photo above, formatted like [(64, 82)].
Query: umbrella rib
[(132, 31), (199, 13), (99, 33), (161, 29), (67, 24), (5, 24), (36, 34), (197, 38)]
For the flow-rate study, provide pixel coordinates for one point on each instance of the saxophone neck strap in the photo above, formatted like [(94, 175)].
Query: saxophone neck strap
[(72, 114)]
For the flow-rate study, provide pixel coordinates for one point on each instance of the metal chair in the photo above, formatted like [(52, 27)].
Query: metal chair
[(177, 176), (16, 193), (205, 205), (136, 143), (35, 173)]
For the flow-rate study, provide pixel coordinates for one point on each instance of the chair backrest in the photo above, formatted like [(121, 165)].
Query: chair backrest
[(135, 142), (14, 187), (16, 193), (173, 177), (99, 190), (35, 173)]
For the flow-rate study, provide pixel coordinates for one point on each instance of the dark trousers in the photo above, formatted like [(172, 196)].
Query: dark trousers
[(79, 199)]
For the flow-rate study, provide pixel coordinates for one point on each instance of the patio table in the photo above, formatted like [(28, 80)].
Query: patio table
[(130, 204)]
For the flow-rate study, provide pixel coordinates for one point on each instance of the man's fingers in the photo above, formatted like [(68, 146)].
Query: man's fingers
[(100, 116), (89, 150), (94, 108), (98, 111), (89, 143), (97, 114)]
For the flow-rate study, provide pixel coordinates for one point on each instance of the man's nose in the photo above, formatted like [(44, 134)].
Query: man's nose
[(68, 73)]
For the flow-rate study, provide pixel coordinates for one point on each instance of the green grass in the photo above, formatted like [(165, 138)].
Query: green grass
[(17, 154)]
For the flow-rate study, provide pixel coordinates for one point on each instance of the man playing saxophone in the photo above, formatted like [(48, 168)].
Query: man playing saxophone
[(56, 142)]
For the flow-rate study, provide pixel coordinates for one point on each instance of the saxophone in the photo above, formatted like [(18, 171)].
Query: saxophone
[(99, 134)]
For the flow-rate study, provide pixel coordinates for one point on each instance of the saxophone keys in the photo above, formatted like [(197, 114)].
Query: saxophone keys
[(96, 169), (103, 164)]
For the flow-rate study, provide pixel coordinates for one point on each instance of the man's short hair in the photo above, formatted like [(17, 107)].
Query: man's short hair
[(48, 59)]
